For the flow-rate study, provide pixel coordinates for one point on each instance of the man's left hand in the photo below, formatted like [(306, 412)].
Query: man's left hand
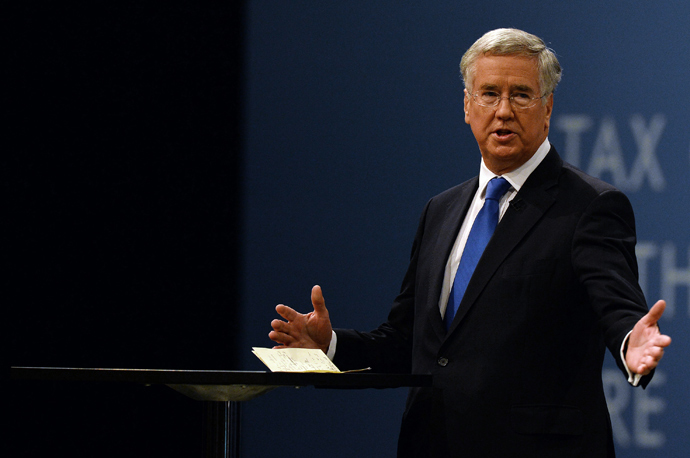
[(646, 344)]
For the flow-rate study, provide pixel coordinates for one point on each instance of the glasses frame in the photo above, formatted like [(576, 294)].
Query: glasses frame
[(511, 101)]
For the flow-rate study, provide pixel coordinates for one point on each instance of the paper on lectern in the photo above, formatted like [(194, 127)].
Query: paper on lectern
[(298, 360), (295, 360)]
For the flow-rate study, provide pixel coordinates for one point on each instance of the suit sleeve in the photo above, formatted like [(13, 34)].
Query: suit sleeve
[(604, 260)]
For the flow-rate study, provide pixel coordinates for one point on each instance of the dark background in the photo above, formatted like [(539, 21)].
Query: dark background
[(125, 201)]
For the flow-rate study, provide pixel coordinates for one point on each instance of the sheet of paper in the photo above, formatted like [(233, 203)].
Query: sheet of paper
[(295, 360)]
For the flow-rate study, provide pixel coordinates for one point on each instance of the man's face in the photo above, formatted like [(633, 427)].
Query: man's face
[(507, 137)]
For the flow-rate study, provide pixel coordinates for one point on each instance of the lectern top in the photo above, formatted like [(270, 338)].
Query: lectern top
[(213, 385)]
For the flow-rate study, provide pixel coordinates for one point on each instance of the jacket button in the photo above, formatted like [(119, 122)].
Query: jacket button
[(443, 362)]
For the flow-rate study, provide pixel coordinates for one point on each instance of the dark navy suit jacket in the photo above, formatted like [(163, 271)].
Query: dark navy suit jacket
[(519, 371)]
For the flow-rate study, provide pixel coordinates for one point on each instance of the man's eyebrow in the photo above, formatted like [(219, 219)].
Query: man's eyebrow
[(515, 88), (489, 86), (522, 88)]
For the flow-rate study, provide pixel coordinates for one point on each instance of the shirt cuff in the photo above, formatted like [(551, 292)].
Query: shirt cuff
[(633, 379), (331, 347)]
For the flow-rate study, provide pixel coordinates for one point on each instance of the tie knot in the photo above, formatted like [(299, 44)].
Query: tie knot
[(496, 188)]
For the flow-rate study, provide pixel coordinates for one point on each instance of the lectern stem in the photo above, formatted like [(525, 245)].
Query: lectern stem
[(222, 429)]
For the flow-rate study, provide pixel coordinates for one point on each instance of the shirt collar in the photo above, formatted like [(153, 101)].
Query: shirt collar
[(517, 177)]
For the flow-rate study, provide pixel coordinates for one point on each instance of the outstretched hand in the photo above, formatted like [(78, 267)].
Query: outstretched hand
[(311, 330), (646, 343)]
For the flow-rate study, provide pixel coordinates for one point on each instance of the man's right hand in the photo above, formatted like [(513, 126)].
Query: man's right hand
[(311, 330)]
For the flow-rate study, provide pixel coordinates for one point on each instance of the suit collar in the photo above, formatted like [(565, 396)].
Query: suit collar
[(517, 177)]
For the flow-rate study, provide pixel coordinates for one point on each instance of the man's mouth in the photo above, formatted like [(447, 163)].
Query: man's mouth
[(503, 134)]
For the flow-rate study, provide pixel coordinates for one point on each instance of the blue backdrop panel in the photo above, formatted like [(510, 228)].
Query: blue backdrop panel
[(354, 119)]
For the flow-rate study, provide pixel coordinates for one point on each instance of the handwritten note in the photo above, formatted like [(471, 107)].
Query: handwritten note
[(295, 360)]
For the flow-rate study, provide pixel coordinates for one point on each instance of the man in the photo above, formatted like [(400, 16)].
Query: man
[(514, 334)]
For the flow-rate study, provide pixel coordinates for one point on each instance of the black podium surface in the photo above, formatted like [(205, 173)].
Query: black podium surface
[(223, 390), (223, 385)]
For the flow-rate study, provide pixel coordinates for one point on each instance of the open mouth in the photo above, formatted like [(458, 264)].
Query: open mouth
[(503, 134)]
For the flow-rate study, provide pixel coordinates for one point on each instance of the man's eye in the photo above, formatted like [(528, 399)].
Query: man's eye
[(488, 97), (521, 96)]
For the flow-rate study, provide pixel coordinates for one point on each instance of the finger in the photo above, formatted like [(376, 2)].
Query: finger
[(658, 347), (648, 365), (318, 301), (287, 312), (655, 353), (281, 338), (652, 317), (662, 341), (280, 326)]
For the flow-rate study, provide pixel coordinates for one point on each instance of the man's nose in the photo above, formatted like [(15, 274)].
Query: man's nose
[(504, 109)]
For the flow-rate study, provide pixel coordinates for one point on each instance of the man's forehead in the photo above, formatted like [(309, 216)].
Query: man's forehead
[(496, 70)]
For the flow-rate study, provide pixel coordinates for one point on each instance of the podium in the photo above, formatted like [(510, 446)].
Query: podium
[(222, 391)]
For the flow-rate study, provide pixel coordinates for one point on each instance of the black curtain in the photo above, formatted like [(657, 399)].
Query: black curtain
[(125, 223)]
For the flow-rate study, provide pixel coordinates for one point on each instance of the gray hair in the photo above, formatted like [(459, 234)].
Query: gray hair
[(513, 42)]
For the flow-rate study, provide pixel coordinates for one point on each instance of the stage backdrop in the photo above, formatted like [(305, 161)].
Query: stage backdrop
[(354, 120)]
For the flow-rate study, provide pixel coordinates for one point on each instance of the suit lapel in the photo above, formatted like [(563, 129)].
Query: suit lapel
[(529, 205), (455, 212)]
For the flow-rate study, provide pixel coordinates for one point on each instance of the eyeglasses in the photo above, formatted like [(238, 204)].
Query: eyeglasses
[(519, 100)]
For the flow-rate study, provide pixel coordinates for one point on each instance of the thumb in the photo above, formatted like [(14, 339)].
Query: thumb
[(652, 317), (318, 301)]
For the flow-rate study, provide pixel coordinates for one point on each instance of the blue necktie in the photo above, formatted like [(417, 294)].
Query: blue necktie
[(484, 225)]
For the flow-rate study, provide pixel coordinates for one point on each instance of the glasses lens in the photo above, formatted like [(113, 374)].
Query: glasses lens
[(522, 100), (487, 98), (492, 99)]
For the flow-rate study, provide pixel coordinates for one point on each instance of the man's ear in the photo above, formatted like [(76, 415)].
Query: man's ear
[(466, 105), (549, 109)]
